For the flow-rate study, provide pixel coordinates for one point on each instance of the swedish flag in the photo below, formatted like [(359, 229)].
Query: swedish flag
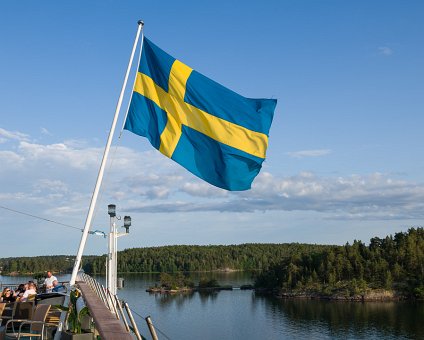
[(210, 130)]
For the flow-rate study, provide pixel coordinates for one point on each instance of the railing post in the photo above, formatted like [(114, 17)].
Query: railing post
[(118, 303), (134, 325), (151, 328), (99, 293), (113, 303), (89, 281), (106, 298)]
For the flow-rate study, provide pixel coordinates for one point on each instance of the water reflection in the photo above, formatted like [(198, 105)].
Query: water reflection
[(245, 315), (257, 316), (165, 300), (208, 296), (388, 319)]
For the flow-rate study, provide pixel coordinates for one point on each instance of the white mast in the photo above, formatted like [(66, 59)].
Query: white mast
[(103, 164)]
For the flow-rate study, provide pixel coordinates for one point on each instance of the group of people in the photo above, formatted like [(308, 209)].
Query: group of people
[(26, 290), (22, 293)]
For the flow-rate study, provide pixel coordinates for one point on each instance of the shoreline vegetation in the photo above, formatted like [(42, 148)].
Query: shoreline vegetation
[(390, 268), (182, 283)]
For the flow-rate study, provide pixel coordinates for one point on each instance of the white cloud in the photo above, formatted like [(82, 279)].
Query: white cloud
[(384, 50), (46, 132), (375, 196), (60, 153), (10, 159), (309, 153), (59, 178), (6, 135), (202, 189), (13, 135), (50, 185), (149, 185), (13, 196), (157, 192)]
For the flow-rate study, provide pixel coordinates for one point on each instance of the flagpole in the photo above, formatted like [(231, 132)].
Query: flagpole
[(103, 164)]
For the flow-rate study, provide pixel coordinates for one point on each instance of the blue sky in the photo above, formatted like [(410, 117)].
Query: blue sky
[(345, 158)]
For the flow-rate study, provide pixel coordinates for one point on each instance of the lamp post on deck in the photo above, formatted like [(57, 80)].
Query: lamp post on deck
[(112, 259)]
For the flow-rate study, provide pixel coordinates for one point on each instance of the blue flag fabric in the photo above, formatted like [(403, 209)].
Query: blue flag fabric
[(213, 132)]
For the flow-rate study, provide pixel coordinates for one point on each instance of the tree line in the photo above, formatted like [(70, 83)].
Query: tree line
[(37, 264), (391, 263), (170, 259)]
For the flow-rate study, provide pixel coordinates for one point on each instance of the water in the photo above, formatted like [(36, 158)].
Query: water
[(245, 315)]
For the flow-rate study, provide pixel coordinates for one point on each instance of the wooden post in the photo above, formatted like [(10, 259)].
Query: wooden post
[(151, 328), (106, 298), (134, 325), (113, 304), (98, 291), (118, 303)]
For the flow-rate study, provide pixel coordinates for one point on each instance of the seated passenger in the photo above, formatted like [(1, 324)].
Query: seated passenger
[(20, 290), (30, 291), (7, 295), (58, 288), (35, 285)]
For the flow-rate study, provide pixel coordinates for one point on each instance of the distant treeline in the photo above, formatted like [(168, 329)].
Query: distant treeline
[(169, 259), (392, 263), (39, 264), (183, 258)]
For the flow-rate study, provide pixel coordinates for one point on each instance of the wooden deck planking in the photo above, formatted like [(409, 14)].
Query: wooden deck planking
[(108, 326)]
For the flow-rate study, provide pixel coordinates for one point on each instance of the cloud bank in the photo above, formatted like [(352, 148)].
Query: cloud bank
[(59, 177), (374, 196)]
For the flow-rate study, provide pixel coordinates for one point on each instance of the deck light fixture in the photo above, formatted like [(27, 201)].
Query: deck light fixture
[(111, 210), (127, 223)]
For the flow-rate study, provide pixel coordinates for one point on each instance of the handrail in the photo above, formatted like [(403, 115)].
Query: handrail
[(124, 320), (106, 323), (112, 305)]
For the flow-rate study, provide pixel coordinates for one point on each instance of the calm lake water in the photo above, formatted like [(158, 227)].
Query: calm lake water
[(245, 315)]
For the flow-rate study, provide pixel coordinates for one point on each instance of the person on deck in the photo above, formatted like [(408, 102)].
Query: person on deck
[(29, 292), (20, 290), (58, 288), (48, 282), (35, 285), (7, 295)]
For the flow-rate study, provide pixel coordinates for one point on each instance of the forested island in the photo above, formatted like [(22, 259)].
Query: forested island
[(390, 267)]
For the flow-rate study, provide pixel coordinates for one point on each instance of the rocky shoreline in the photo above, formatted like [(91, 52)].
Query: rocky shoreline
[(371, 295), (162, 290)]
